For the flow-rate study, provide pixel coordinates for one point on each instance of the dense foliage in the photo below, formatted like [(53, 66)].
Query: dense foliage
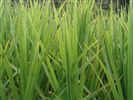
[(74, 52)]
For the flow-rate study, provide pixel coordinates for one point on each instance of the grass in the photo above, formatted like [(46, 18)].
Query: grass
[(130, 52), (74, 52)]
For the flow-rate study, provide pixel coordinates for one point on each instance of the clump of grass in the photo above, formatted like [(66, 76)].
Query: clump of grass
[(71, 52)]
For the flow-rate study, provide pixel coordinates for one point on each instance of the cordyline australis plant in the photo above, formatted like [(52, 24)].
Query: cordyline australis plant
[(75, 51)]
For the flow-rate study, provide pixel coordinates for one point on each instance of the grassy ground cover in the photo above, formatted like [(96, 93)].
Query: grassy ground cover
[(74, 52)]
